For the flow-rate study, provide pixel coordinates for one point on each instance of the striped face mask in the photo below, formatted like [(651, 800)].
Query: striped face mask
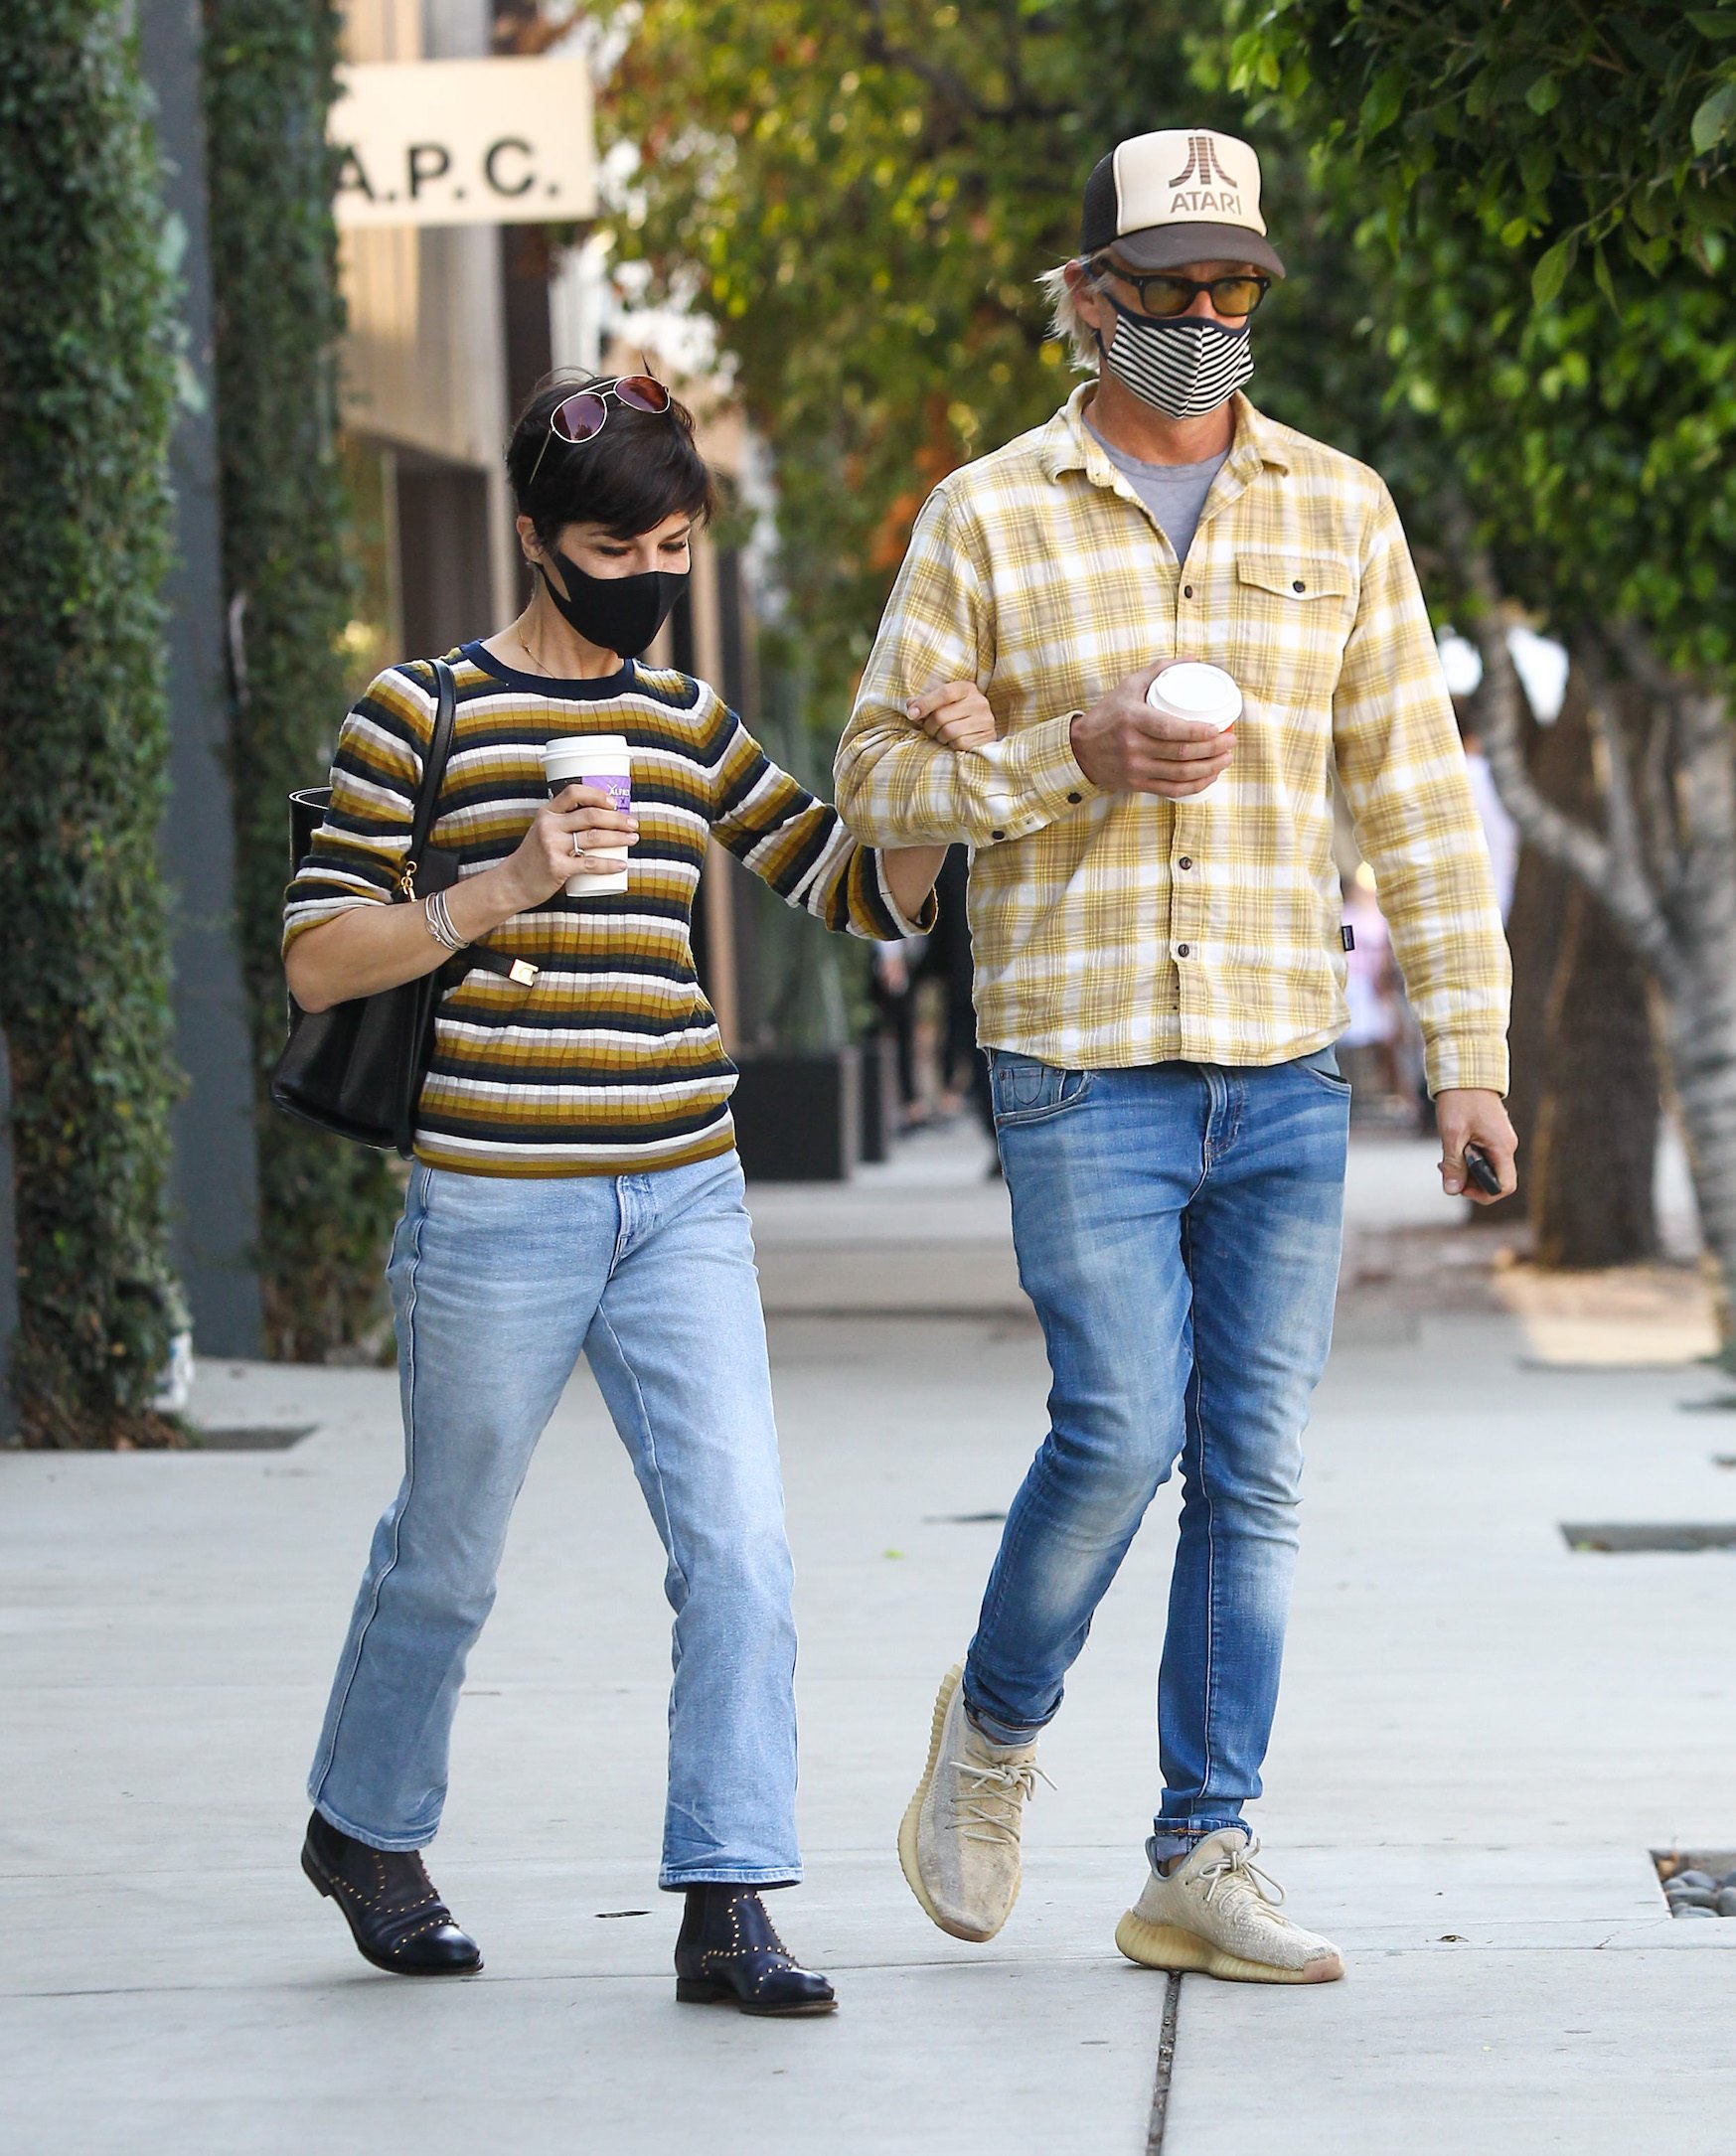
[(1183, 366)]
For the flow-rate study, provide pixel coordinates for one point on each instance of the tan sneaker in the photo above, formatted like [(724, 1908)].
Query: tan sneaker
[(959, 1840), (1219, 1913)]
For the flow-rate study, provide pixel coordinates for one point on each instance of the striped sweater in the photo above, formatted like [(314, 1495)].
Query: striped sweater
[(610, 1063)]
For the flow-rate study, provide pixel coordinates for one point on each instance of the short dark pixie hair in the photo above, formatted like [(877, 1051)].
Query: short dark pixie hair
[(643, 467)]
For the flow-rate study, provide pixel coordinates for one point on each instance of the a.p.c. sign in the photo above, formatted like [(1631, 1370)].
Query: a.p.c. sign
[(465, 142)]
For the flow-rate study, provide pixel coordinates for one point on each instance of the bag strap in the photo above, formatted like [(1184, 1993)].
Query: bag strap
[(517, 970), (433, 773)]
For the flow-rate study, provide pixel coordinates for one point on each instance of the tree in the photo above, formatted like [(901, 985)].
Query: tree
[(1552, 194), (1585, 1095), (325, 1207), (861, 198), (87, 396), (1547, 121)]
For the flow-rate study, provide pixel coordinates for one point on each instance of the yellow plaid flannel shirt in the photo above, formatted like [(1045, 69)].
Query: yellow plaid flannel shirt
[(1121, 929)]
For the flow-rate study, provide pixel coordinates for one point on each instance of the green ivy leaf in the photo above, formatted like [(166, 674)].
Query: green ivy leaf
[(1550, 273), (1713, 120), (1544, 94), (1536, 167), (1385, 101)]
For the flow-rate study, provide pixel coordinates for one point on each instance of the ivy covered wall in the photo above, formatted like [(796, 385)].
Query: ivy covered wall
[(325, 1206), (86, 398)]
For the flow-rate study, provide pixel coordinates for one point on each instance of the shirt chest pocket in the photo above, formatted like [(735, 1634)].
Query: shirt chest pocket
[(1291, 613)]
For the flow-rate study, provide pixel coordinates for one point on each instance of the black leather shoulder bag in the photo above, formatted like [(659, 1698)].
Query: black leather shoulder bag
[(357, 1069)]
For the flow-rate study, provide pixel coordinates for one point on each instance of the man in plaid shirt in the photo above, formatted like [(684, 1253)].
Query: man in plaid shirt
[(1159, 980)]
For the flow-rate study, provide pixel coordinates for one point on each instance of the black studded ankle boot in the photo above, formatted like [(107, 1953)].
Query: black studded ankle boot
[(399, 1922), (729, 1954)]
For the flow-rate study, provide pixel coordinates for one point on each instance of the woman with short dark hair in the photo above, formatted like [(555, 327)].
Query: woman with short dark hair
[(576, 1187)]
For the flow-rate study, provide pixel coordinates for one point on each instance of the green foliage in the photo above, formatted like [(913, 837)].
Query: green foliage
[(1582, 393), (861, 198), (87, 398), (1555, 128), (325, 1206)]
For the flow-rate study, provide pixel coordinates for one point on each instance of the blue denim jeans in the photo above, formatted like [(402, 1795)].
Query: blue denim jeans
[(1177, 1229), (499, 1285)]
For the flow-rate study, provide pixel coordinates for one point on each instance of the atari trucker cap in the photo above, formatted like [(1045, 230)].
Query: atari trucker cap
[(1181, 194)]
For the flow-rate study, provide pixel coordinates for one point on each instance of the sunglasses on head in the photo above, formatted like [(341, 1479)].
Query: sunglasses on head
[(582, 417), (1164, 295)]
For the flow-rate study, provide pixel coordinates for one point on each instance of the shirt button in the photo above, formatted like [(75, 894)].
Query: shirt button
[(1075, 798), (996, 835), (1299, 585), (1184, 950), (1186, 591)]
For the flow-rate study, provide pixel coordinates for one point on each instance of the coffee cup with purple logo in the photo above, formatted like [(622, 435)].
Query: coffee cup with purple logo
[(1199, 695), (602, 761)]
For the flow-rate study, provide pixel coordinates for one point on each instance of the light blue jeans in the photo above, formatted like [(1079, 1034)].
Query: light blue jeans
[(1178, 1230), (499, 1285)]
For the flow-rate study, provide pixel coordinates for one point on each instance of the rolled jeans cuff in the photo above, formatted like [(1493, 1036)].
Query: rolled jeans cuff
[(1180, 1837), (723, 1874), (1000, 1733)]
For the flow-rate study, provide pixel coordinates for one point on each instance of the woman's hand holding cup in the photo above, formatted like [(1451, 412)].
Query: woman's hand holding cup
[(547, 854)]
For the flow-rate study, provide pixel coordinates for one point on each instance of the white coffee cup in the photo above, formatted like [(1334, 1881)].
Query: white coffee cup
[(602, 761), (1197, 694)]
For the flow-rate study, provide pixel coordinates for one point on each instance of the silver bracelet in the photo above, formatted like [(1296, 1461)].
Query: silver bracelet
[(440, 922)]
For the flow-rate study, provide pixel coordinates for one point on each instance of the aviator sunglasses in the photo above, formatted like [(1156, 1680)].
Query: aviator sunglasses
[(582, 417), (1165, 296)]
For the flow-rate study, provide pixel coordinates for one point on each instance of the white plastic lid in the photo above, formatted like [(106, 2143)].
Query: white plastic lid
[(1207, 695), (594, 752)]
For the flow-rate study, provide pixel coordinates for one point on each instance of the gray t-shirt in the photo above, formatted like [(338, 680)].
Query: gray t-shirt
[(1174, 493)]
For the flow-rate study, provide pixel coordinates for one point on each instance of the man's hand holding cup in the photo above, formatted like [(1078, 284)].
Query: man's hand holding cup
[(1124, 745)]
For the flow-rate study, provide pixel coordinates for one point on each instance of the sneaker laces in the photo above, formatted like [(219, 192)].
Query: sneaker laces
[(995, 1798), (1237, 1872)]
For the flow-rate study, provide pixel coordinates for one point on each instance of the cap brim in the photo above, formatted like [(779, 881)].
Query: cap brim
[(1171, 246)]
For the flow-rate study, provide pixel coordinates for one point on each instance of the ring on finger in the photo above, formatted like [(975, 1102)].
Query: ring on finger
[(576, 847)]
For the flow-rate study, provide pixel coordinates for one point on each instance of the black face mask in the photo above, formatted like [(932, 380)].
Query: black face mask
[(618, 613)]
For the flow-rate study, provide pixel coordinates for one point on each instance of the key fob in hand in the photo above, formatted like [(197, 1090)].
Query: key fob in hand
[(1481, 1171)]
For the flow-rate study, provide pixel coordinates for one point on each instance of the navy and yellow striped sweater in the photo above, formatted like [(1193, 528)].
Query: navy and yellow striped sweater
[(612, 1062)]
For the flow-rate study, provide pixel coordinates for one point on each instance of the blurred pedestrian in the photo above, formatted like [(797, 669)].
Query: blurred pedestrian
[(894, 1000), (1374, 1021), (1160, 983), (576, 1189), (947, 961)]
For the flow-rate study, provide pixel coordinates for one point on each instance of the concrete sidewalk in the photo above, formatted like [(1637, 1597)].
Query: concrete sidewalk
[(1483, 1736)]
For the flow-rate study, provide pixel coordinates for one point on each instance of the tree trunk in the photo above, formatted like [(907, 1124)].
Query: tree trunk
[(1584, 1097), (1699, 1016), (1533, 933), (1703, 1055), (1594, 1143), (1663, 862)]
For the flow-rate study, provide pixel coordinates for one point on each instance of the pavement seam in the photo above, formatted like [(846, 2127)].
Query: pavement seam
[(1167, 2029)]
